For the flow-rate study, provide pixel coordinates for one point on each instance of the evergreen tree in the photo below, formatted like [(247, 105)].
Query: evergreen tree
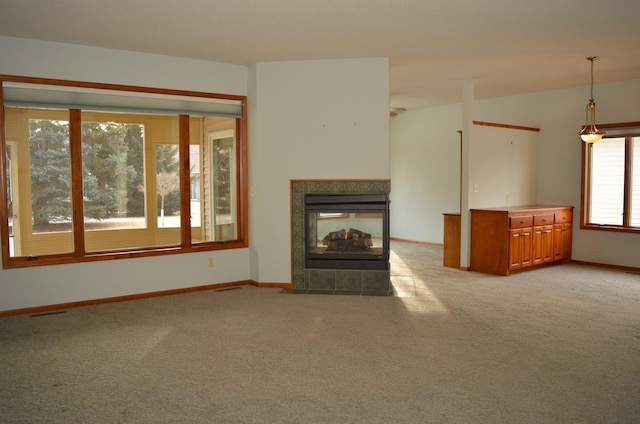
[(107, 175), (50, 171), (135, 159)]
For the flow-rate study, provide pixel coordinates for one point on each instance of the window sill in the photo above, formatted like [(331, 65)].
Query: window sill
[(30, 261), (610, 228)]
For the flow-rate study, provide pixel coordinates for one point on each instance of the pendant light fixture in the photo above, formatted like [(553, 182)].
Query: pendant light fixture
[(591, 134)]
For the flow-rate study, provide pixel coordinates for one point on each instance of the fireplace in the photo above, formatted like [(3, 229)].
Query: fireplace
[(340, 237), (346, 231)]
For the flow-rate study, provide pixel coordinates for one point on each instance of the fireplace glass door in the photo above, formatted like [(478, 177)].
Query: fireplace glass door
[(347, 231)]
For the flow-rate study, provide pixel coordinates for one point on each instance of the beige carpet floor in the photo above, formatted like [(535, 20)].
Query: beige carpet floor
[(556, 345)]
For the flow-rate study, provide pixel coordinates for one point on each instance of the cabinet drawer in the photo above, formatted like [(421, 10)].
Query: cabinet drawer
[(543, 219), (563, 216), (521, 222)]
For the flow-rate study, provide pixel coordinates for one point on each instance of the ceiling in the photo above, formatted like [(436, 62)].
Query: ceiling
[(506, 47)]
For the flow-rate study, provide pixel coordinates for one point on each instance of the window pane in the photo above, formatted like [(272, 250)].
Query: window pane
[(168, 185), (10, 168), (217, 182), (112, 172), (635, 184), (120, 189), (224, 188), (39, 181), (194, 190), (607, 182), (50, 167)]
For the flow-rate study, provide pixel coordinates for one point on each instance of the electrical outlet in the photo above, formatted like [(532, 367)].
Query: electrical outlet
[(507, 197), (210, 262)]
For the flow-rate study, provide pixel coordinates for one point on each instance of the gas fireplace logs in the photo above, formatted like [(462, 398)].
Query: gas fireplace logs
[(348, 240)]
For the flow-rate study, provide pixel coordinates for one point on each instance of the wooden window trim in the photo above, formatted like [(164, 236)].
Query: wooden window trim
[(79, 253)]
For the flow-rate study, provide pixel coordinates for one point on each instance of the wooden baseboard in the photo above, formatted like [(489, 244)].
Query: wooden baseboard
[(416, 241), (618, 267), (272, 285), (60, 306)]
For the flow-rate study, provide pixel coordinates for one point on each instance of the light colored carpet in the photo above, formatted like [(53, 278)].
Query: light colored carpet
[(557, 345)]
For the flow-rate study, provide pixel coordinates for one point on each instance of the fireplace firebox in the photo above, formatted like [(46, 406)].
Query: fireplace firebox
[(347, 231)]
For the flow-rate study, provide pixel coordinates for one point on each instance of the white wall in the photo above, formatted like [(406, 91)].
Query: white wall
[(33, 58), (425, 171), (503, 167), (325, 119), (46, 285), (559, 114)]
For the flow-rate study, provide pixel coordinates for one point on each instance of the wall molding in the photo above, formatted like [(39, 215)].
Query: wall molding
[(509, 126), (610, 266)]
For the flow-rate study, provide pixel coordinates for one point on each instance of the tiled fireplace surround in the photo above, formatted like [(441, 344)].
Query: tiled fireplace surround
[(336, 281)]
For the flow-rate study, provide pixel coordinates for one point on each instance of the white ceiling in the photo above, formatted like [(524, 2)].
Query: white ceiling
[(506, 47)]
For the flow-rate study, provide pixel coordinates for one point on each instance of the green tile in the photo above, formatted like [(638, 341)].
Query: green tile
[(349, 280), (321, 279)]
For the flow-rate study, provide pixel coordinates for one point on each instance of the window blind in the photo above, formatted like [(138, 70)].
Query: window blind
[(64, 97)]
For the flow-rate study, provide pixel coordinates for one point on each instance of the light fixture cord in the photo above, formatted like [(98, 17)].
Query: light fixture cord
[(592, 59)]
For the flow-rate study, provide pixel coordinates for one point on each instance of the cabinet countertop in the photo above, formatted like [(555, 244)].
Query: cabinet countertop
[(523, 208)]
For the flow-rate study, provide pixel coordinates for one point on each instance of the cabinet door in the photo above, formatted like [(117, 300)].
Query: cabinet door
[(536, 245), (515, 249), (520, 248), (557, 242), (561, 241), (542, 244)]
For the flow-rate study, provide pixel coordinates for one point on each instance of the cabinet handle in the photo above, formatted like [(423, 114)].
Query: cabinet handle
[(522, 222)]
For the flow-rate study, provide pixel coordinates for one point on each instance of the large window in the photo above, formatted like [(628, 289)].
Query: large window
[(611, 175), (102, 173)]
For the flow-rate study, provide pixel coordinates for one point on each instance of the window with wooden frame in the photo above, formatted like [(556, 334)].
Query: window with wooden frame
[(611, 180), (100, 171)]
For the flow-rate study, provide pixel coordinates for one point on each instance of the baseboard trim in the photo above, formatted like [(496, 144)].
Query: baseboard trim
[(416, 241), (618, 267), (59, 306), (272, 285)]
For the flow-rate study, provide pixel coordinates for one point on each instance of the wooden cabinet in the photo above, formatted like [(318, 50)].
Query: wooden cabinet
[(452, 231), (505, 240)]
